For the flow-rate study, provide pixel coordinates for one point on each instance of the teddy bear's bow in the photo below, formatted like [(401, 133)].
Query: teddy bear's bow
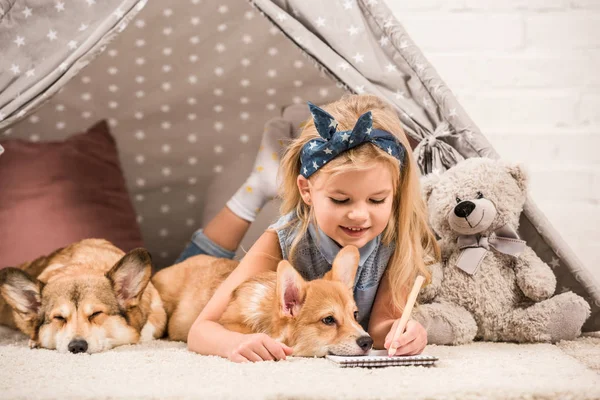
[(474, 247)]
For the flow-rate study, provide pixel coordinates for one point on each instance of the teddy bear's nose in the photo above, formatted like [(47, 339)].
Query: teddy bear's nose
[(464, 209)]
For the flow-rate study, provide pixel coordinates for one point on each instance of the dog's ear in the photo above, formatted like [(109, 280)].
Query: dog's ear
[(345, 265), (23, 294), (130, 276), (290, 289)]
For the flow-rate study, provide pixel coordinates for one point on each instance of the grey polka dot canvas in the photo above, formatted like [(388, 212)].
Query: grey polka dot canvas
[(186, 92)]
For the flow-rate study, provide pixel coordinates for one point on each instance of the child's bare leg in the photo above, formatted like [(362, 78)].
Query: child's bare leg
[(224, 233), (261, 185), (227, 229)]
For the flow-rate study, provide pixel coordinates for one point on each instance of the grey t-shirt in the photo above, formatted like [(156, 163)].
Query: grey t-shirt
[(316, 252)]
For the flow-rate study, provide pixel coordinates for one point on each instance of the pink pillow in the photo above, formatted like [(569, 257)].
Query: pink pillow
[(56, 193)]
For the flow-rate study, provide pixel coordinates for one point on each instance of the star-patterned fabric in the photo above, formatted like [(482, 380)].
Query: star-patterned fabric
[(319, 151), (189, 85), (46, 43)]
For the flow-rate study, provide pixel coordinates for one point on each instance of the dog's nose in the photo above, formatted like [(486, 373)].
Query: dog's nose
[(78, 346), (364, 342), (464, 209)]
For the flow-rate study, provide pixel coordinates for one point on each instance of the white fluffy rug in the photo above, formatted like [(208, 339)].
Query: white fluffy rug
[(167, 370)]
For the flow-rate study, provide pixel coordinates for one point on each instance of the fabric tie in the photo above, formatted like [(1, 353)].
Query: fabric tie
[(331, 142), (474, 247), (436, 152)]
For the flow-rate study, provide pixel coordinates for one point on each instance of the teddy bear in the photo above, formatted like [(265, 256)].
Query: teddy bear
[(489, 285)]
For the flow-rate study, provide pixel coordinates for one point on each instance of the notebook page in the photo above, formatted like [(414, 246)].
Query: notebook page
[(381, 357)]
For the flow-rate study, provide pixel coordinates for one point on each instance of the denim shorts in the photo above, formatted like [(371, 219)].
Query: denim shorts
[(201, 244)]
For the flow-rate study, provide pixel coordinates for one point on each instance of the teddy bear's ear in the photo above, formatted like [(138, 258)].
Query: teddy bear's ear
[(517, 171), (428, 183)]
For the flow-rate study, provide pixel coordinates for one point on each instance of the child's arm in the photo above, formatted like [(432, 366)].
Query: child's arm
[(385, 316), (208, 337)]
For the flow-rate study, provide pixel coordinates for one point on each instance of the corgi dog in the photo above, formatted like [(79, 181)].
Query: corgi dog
[(315, 317), (85, 298), (90, 297)]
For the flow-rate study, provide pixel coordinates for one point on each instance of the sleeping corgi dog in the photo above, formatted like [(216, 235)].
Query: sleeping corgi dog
[(315, 317), (85, 298), (90, 297)]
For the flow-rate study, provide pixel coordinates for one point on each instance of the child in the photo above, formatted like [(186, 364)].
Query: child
[(348, 179)]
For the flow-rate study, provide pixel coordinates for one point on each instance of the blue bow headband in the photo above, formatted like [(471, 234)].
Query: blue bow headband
[(318, 152)]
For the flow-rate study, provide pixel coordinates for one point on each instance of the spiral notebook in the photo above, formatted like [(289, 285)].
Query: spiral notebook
[(379, 358)]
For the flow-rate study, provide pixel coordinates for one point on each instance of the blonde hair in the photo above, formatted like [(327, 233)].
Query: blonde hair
[(416, 246)]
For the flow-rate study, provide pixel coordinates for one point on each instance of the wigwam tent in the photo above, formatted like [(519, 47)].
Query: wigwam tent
[(188, 87)]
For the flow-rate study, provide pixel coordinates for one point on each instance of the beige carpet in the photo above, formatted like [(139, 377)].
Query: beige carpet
[(167, 370)]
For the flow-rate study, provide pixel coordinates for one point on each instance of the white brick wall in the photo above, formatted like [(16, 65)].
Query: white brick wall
[(528, 74)]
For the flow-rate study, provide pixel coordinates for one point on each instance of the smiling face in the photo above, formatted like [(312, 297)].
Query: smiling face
[(351, 207), (473, 215)]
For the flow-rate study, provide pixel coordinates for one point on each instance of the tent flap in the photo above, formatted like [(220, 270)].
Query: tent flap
[(45, 44)]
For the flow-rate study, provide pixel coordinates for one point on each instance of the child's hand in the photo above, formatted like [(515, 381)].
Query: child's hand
[(412, 341), (259, 347)]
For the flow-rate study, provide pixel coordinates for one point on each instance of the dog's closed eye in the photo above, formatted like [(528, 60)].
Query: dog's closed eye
[(94, 315)]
